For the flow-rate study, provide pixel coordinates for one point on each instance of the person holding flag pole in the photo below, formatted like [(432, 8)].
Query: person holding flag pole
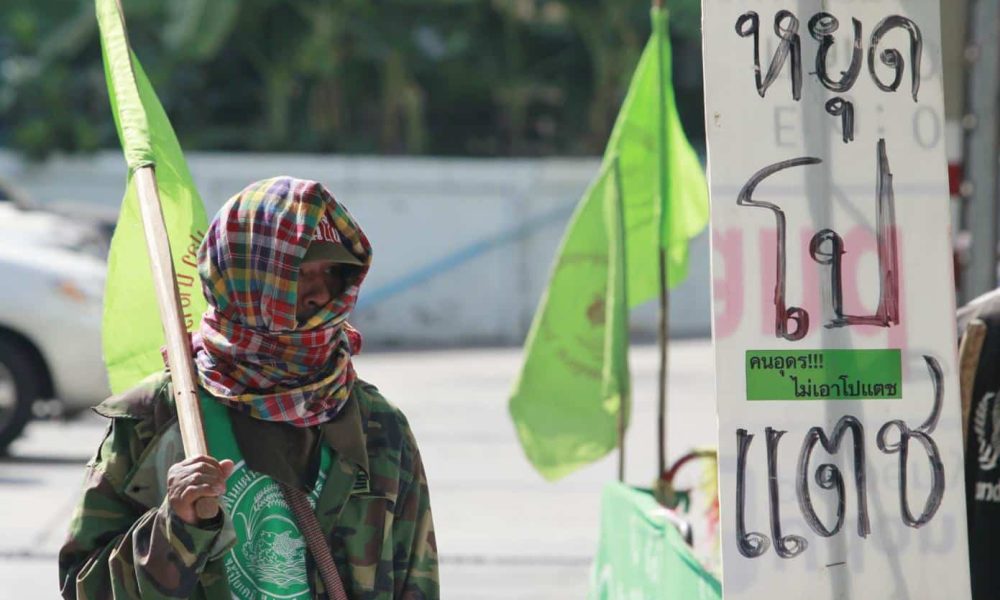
[(326, 495)]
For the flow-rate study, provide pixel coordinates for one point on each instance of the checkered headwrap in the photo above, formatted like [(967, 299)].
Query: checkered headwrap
[(250, 352)]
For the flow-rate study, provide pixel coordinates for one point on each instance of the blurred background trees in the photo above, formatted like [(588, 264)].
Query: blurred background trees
[(442, 77)]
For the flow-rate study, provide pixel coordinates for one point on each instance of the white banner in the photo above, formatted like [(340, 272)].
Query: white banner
[(834, 319)]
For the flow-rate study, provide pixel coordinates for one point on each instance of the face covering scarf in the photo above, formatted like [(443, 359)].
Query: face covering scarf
[(250, 352)]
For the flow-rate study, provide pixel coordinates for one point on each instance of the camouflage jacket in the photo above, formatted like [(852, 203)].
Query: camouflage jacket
[(125, 542)]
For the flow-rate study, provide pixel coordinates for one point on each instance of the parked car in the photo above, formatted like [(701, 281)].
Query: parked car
[(52, 271)]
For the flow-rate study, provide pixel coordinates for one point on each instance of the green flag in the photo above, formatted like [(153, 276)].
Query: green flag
[(575, 376), (132, 333), (641, 554)]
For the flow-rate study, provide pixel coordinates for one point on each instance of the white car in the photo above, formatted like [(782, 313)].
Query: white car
[(52, 271)]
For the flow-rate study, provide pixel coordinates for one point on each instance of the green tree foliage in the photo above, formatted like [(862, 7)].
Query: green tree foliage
[(448, 77)]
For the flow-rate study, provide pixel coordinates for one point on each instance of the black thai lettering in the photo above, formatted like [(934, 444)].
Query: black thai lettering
[(839, 107), (822, 27), (921, 434), (786, 27), (783, 313), (752, 544), (893, 58), (827, 248), (785, 546), (828, 476)]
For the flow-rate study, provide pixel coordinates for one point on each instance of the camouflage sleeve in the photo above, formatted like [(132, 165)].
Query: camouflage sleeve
[(413, 532), (118, 548)]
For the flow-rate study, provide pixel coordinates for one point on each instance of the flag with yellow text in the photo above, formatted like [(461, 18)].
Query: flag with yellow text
[(132, 330)]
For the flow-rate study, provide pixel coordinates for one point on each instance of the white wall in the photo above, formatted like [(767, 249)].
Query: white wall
[(462, 246)]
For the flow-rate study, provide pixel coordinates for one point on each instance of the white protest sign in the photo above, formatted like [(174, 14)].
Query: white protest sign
[(834, 321)]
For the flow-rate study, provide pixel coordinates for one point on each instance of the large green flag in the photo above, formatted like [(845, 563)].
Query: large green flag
[(574, 379), (132, 334)]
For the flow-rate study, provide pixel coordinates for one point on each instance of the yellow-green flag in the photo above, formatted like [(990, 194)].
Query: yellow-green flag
[(575, 378), (132, 332)]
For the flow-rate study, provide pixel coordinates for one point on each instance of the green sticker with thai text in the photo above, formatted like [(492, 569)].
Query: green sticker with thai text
[(824, 374)]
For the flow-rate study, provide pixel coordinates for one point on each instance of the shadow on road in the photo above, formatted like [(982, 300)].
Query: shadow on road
[(77, 461), (20, 481)]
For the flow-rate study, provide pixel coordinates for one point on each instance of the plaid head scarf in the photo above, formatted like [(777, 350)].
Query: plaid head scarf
[(250, 351)]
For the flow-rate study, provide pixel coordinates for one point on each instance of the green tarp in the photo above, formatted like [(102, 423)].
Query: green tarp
[(641, 555)]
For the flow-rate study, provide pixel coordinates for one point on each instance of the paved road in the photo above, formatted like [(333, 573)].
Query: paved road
[(503, 532)]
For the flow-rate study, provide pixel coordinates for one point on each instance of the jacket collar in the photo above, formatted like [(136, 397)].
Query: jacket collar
[(347, 434)]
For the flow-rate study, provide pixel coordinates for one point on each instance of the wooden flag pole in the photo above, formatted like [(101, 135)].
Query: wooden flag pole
[(664, 334), (178, 343), (623, 404), (664, 330)]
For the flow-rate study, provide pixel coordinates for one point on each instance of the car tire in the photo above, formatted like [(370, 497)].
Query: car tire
[(19, 388)]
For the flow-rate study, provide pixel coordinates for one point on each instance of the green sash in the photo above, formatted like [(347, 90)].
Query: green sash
[(269, 558)]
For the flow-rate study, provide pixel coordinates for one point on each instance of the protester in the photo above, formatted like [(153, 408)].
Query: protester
[(979, 327), (281, 266)]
